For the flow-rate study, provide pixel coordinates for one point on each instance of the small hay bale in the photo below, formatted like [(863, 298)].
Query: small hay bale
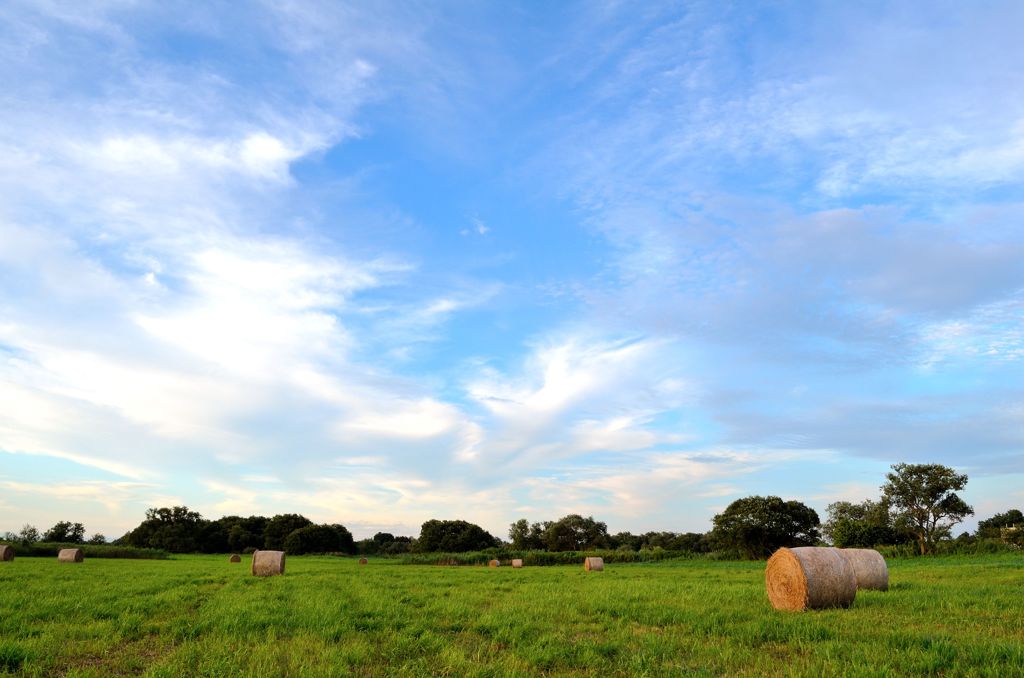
[(235, 558), (363, 561), (517, 562), (593, 564), (868, 567), (494, 563), (267, 563), (70, 556), (809, 578), (6, 552)]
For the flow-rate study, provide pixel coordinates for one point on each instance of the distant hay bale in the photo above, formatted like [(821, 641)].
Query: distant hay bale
[(494, 563), (517, 562), (267, 563), (235, 558), (6, 552), (868, 567), (70, 556), (363, 561), (809, 578), (593, 564)]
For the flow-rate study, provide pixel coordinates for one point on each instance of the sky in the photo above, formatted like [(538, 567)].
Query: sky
[(378, 263)]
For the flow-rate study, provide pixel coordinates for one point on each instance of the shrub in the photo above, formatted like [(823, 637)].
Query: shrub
[(541, 558), (49, 550)]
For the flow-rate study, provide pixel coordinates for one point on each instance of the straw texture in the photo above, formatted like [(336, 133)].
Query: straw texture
[(494, 563), (809, 578), (517, 562), (235, 558), (593, 564), (869, 567), (70, 556), (363, 561), (6, 552), (267, 563)]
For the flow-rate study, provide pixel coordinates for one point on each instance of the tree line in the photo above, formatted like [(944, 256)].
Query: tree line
[(918, 504), (64, 532)]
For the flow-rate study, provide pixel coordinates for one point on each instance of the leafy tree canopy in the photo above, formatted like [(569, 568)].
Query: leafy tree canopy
[(924, 500), (575, 533), (992, 526), (757, 526), (280, 526), (453, 536)]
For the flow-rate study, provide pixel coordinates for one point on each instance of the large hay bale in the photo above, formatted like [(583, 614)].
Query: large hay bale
[(363, 561), (235, 558), (70, 556), (267, 563), (494, 563), (517, 562), (6, 552), (809, 577), (593, 564), (868, 567)]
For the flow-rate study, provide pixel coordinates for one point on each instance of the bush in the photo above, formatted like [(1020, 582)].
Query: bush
[(955, 547), (541, 558), (44, 549), (319, 539)]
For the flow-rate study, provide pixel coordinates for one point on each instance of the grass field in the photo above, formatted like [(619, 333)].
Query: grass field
[(201, 616)]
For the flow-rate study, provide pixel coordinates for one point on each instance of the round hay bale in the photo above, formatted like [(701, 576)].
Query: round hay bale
[(593, 564), (494, 563), (363, 561), (235, 558), (267, 563), (868, 567), (6, 552), (70, 556), (809, 578), (517, 562)]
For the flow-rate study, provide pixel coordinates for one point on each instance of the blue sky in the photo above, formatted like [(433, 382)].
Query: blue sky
[(384, 264)]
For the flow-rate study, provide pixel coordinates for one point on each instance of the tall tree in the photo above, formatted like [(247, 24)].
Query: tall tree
[(863, 525), (29, 534), (525, 536), (174, 529), (280, 526), (757, 526), (453, 536), (992, 527), (924, 499), (576, 533), (66, 532)]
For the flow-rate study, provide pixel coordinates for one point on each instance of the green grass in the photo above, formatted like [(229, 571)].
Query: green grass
[(201, 616)]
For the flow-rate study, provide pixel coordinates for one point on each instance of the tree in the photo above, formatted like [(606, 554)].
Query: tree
[(576, 533), (174, 529), (525, 536), (924, 499), (280, 526), (28, 534), (245, 533), (319, 539), (97, 539), (757, 526), (453, 536), (862, 525), (66, 533), (346, 544), (993, 527), (385, 543)]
